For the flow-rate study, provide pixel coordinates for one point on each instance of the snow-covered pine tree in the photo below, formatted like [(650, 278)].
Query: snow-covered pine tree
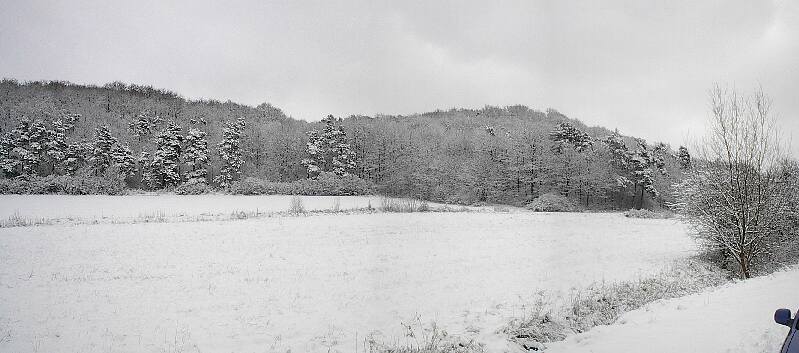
[(618, 149), (124, 160), (8, 164), (141, 127), (343, 157), (76, 156), (101, 158), (195, 155), (25, 148), (149, 177), (658, 157), (641, 165), (620, 157), (684, 158), (166, 158), (329, 151), (57, 145), (565, 133), (39, 136), (315, 160), (230, 152), (69, 120)]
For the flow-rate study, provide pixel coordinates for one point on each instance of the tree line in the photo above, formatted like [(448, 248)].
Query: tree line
[(155, 139)]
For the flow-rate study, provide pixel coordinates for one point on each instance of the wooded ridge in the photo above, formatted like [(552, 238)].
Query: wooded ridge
[(156, 139)]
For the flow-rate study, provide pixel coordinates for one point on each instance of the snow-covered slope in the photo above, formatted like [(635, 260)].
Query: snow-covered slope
[(737, 317)]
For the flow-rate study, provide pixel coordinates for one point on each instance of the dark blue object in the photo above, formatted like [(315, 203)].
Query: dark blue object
[(791, 344)]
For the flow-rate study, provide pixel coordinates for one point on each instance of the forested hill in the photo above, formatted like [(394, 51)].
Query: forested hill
[(503, 155)]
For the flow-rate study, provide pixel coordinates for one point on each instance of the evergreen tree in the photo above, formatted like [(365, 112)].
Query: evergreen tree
[(620, 158), (123, 160), (329, 151), (658, 157), (620, 154), (316, 159), (57, 145), (33, 148), (230, 152), (566, 134), (8, 164), (165, 162), (684, 158), (24, 148), (196, 155), (102, 158), (643, 175), (342, 157), (76, 156), (141, 127), (149, 175)]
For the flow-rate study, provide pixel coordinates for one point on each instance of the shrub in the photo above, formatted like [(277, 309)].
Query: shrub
[(64, 184), (401, 205), (248, 186), (423, 206), (552, 203), (13, 186), (642, 213), (193, 187), (327, 184), (296, 205)]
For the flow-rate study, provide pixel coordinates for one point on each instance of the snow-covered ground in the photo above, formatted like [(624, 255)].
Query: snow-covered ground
[(737, 317), (305, 283), (96, 207)]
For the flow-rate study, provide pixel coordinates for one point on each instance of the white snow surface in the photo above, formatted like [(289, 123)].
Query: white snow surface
[(737, 317), (124, 208), (314, 283)]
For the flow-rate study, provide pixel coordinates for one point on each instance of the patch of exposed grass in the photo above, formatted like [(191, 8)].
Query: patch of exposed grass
[(423, 338), (17, 220), (552, 318)]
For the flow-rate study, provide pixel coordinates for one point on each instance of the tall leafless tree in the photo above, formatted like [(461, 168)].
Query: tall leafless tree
[(738, 197)]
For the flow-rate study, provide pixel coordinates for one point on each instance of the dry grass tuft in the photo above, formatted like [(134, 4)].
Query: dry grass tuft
[(423, 338), (296, 206)]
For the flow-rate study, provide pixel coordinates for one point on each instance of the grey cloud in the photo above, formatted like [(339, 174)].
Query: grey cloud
[(643, 67)]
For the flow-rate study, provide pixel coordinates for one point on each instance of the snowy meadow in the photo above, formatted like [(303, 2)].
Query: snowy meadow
[(314, 282)]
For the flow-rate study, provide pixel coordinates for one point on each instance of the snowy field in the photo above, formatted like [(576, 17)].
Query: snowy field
[(314, 283)]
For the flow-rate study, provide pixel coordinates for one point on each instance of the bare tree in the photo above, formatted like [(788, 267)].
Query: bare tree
[(737, 196)]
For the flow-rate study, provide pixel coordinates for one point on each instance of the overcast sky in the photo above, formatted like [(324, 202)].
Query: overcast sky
[(643, 67)]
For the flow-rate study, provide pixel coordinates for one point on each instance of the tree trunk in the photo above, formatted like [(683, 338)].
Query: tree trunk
[(640, 204), (743, 262)]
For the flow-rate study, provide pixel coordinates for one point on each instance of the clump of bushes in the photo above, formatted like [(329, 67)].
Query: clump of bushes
[(296, 206), (388, 204), (643, 213), (552, 202), (326, 184), (64, 184), (193, 187)]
